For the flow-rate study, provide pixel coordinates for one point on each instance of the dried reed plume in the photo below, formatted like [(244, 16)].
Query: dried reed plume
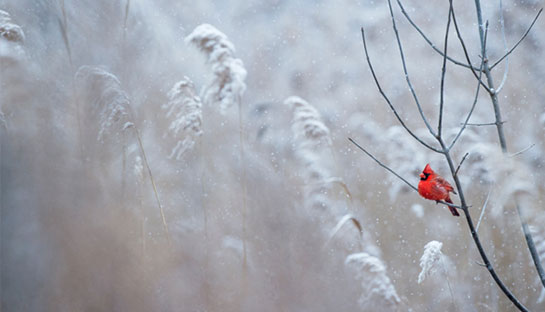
[(430, 259), (10, 31), (228, 85), (111, 106), (11, 39), (377, 289), (226, 88), (184, 109), (311, 137), (114, 113)]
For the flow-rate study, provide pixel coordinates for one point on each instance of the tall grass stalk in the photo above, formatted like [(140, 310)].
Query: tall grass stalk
[(225, 89), (115, 115)]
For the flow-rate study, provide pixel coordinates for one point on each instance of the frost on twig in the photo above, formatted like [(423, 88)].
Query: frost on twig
[(184, 109), (430, 259), (228, 84), (108, 101), (377, 288)]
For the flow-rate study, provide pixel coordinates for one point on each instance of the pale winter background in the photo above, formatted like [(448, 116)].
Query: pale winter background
[(193, 156)]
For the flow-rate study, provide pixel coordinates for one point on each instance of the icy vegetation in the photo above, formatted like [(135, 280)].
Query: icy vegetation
[(108, 101), (378, 290), (184, 109), (430, 259), (176, 156), (228, 85)]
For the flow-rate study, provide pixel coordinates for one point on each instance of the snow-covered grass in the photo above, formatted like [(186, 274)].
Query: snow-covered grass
[(94, 163)]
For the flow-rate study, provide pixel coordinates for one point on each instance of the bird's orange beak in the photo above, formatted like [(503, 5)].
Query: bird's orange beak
[(422, 175)]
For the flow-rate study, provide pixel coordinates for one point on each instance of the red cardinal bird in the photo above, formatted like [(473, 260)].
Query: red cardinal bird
[(434, 187)]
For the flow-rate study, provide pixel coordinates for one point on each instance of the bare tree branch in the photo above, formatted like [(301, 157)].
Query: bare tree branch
[(484, 208), (460, 164), (517, 44), (503, 144), (485, 124), (426, 38), (522, 151), (462, 43), (407, 77), (383, 165), (466, 123), (504, 79), (444, 150), (396, 174), (443, 72), (474, 233), (388, 100), (475, 99)]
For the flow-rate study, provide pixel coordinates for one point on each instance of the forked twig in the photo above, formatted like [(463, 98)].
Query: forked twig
[(385, 97), (501, 136), (518, 42), (462, 43), (426, 38), (444, 150), (466, 122), (460, 164), (407, 77)]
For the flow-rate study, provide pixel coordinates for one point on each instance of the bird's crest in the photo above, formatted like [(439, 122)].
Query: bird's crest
[(428, 170)]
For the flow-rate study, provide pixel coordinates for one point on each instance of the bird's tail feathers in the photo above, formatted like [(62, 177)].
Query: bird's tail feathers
[(452, 209)]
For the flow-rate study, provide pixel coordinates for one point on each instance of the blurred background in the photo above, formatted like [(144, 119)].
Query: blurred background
[(270, 208)]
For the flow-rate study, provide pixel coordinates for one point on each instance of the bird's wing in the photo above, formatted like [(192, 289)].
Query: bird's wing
[(445, 184)]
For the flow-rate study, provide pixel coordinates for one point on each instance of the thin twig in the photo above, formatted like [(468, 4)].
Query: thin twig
[(443, 72), (462, 43), (383, 165), (484, 207), (522, 151), (502, 23), (517, 44), (396, 174), (388, 100), (460, 164), (64, 31), (163, 218), (503, 143), (474, 100), (466, 123), (474, 233), (407, 77), (426, 38), (125, 19), (485, 124)]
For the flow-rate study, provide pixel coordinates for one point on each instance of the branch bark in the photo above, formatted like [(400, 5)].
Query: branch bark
[(444, 149), (501, 136)]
